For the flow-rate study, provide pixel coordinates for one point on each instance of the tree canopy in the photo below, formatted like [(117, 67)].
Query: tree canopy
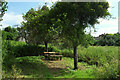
[(38, 26), (75, 17), (3, 5), (108, 40), (9, 33), (67, 20)]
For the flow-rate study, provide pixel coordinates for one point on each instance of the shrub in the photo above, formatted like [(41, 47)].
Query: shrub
[(20, 49), (9, 33), (107, 70), (53, 49), (67, 53), (14, 73), (8, 57)]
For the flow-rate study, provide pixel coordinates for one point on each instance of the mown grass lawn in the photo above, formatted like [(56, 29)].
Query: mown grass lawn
[(38, 67)]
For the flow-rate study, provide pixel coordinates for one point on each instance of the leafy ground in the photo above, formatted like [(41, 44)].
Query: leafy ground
[(38, 67)]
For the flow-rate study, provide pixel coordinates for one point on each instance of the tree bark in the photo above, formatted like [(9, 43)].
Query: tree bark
[(46, 47), (75, 58)]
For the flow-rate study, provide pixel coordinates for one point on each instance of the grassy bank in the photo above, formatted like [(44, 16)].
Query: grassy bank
[(104, 57), (97, 55), (94, 61), (38, 67)]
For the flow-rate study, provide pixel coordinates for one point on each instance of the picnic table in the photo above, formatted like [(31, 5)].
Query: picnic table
[(52, 55)]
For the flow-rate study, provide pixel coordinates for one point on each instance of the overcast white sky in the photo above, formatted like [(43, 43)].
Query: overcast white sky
[(13, 16)]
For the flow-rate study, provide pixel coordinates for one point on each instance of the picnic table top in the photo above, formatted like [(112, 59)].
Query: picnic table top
[(51, 52), (56, 55)]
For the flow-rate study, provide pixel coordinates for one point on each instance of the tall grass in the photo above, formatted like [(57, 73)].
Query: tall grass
[(94, 54), (98, 54), (104, 57)]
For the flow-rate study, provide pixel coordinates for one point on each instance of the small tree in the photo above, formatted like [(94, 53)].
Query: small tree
[(75, 17), (39, 26)]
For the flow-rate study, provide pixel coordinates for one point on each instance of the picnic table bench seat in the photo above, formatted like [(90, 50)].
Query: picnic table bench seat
[(53, 55), (56, 56)]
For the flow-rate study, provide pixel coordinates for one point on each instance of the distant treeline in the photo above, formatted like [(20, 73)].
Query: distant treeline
[(108, 40), (10, 33)]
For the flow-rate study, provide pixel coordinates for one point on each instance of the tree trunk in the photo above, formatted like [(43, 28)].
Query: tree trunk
[(46, 46), (75, 58)]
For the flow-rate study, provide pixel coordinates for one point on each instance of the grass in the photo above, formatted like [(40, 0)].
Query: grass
[(97, 55), (104, 57), (94, 61), (79, 74), (38, 67)]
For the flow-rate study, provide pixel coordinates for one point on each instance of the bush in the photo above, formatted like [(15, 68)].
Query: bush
[(13, 49), (14, 73), (20, 49), (107, 71), (9, 33), (8, 57), (53, 49), (67, 53)]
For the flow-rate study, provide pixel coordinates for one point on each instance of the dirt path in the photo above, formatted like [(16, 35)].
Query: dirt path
[(60, 67)]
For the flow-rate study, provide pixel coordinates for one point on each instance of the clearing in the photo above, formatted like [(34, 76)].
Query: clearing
[(38, 67)]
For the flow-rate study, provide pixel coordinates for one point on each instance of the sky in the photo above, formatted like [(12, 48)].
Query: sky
[(16, 8)]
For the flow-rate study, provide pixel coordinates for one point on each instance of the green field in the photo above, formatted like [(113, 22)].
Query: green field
[(94, 62), (34, 67)]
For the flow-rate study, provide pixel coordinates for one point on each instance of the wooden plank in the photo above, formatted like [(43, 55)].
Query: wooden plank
[(56, 55), (52, 55), (51, 52), (46, 52)]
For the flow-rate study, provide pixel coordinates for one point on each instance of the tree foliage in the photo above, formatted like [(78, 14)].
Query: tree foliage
[(66, 19), (109, 40), (9, 33), (3, 5), (75, 17), (38, 26)]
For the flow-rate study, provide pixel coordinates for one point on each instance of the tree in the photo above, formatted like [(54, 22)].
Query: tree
[(75, 17), (3, 8), (109, 40), (39, 26), (9, 33)]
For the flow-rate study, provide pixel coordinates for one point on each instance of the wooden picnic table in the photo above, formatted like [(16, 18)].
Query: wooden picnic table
[(52, 55)]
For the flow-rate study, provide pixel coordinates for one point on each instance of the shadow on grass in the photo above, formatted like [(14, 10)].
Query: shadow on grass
[(56, 68), (34, 67)]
